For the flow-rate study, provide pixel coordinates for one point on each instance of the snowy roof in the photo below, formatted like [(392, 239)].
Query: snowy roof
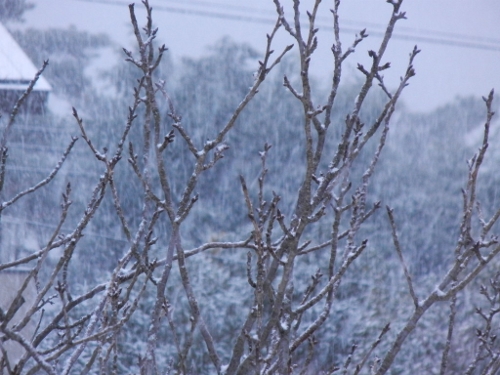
[(16, 69)]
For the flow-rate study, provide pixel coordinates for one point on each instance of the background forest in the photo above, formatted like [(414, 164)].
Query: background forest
[(420, 175)]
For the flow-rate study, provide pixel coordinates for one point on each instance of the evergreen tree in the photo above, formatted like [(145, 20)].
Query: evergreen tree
[(13, 10)]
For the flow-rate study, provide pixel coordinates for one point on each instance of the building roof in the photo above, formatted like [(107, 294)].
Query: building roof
[(16, 69)]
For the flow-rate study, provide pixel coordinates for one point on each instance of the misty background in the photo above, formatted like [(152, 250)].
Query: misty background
[(459, 39), (213, 53)]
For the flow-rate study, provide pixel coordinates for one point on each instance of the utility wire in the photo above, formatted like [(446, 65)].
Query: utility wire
[(16, 221), (328, 20), (213, 4), (416, 35)]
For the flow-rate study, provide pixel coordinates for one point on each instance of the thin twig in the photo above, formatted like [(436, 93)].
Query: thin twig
[(397, 246)]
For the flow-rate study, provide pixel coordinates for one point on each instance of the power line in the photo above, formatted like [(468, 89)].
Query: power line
[(213, 4), (46, 171), (446, 38), (360, 24), (16, 221)]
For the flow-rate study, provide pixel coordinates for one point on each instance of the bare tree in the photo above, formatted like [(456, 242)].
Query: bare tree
[(81, 334)]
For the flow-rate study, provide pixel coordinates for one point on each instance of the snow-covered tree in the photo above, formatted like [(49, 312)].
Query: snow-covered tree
[(228, 219), (13, 10)]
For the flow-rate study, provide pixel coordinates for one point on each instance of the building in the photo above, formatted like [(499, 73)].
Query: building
[(11, 282), (16, 72)]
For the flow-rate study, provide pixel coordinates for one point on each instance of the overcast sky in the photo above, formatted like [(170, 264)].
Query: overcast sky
[(459, 39)]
